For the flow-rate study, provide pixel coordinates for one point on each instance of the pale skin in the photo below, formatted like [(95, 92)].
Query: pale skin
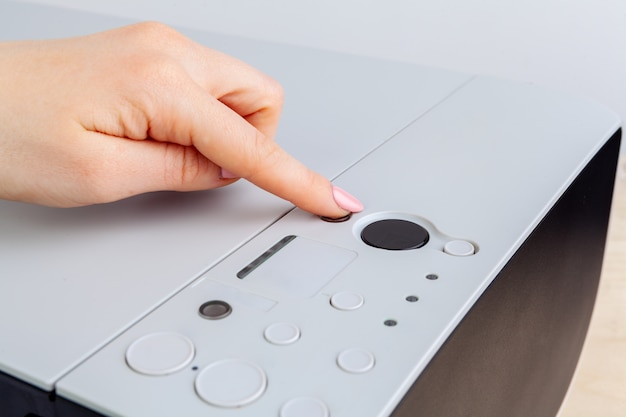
[(103, 117)]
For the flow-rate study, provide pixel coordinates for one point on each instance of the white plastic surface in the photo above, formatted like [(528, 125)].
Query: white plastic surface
[(301, 268), (347, 300), (160, 353), (304, 407), (231, 383), (411, 143), (282, 333), (356, 360), (459, 248)]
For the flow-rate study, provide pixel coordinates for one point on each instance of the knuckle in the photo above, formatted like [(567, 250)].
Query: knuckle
[(184, 166), (274, 93), (153, 66), (151, 53), (151, 33)]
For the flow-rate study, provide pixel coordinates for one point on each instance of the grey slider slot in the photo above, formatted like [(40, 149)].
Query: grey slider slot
[(265, 256)]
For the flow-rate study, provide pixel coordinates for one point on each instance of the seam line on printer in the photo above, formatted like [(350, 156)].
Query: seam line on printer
[(419, 117)]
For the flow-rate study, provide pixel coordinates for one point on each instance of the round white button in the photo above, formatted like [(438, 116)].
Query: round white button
[(459, 248), (304, 407), (231, 383), (282, 333), (160, 353), (346, 300), (356, 360)]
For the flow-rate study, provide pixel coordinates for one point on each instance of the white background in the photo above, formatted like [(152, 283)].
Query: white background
[(572, 45)]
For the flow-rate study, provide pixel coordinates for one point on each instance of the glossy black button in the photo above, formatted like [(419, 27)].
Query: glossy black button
[(394, 234)]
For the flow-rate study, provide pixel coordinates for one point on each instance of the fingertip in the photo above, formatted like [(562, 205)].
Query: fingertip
[(227, 175), (346, 200)]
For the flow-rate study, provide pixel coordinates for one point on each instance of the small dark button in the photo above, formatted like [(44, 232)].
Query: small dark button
[(394, 234), (215, 309), (337, 219)]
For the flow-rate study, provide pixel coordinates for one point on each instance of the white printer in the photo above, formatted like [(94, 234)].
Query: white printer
[(464, 288)]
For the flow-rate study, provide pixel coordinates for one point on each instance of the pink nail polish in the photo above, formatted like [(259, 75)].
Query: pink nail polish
[(346, 201), (226, 174)]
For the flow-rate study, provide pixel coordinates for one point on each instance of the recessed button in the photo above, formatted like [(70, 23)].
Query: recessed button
[(346, 300), (160, 353), (282, 333), (356, 360), (215, 310), (394, 234), (231, 383), (304, 407), (459, 248), (337, 219)]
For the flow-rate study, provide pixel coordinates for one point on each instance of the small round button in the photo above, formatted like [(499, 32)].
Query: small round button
[(356, 360), (215, 310), (394, 234), (346, 300), (304, 407), (282, 333), (337, 219), (160, 353), (231, 383), (459, 248)]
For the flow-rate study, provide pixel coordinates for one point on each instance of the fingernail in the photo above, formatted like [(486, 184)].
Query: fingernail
[(346, 201), (226, 174)]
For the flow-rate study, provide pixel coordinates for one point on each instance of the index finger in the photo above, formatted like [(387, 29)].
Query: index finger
[(247, 153), (228, 140)]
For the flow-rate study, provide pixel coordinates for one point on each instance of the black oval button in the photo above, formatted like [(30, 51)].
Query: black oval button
[(394, 234), (215, 309)]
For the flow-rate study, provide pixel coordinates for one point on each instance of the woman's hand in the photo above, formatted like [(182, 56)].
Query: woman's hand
[(103, 117)]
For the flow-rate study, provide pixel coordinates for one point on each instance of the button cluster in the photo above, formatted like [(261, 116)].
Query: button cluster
[(234, 383)]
